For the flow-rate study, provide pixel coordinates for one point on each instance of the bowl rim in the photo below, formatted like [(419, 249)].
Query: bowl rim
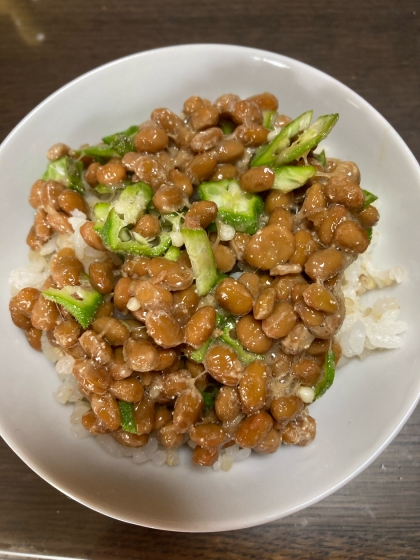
[(259, 519)]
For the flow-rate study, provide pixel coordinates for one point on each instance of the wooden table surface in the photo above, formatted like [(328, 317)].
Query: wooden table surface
[(373, 47)]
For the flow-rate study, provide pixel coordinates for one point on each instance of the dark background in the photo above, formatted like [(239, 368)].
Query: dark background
[(371, 46)]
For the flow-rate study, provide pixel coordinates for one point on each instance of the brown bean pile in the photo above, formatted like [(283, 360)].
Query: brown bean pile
[(287, 303)]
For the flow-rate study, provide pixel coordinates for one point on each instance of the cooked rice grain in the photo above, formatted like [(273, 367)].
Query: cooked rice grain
[(370, 326)]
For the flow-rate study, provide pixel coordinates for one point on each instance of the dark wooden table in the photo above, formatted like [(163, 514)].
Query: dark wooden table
[(373, 47)]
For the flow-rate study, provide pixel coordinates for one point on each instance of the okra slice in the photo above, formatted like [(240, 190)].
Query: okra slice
[(114, 221), (100, 153), (66, 171), (292, 177), (80, 301), (173, 220), (100, 213), (221, 276), (132, 202), (268, 117), (227, 323), (123, 145), (227, 126), (369, 199), (173, 253), (108, 189), (245, 356), (198, 355), (202, 259), (115, 145), (117, 237), (209, 396), (236, 207), (122, 142), (112, 138), (128, 420), (327, 377), (267, 155), (322, 158), (308, 139)]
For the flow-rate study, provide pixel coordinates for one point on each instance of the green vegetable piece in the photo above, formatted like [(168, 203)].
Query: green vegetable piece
[(327, 378), (369, 199), (117, 237), (211, 228), (268, 117), (225, 322), (245, 356), (116, 231), (103, 189), (114, 223), (68, 172), (198, 355), (290, 177), (82, 302), (267, 155), (107, 189), (174, 220), (209, 398), (132, 202), (123, 145), (308, 139), (322, 158), (173, 253), (227, 126), (202, 259), (115, 145), (220, 320), (237, 208), (369, 233), (128, 420), (101, 153), (221, 276), (112, 138), (100, 213)]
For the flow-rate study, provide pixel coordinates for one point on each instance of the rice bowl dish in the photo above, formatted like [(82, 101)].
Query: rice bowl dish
[(196, 321), (372, 336)]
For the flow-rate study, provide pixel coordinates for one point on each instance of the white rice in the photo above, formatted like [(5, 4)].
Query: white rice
[(158, 458), (230, 455), (172, 457), (109, 445), (50, 246), (38, 269), (78, 431), (33, 275), (84, 252), (139, 457), (152, 451), (369, 326), (64, 365), (52, 353), (80, 408)]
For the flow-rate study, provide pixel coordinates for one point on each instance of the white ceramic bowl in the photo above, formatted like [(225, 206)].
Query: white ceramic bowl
[(357, 418)]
